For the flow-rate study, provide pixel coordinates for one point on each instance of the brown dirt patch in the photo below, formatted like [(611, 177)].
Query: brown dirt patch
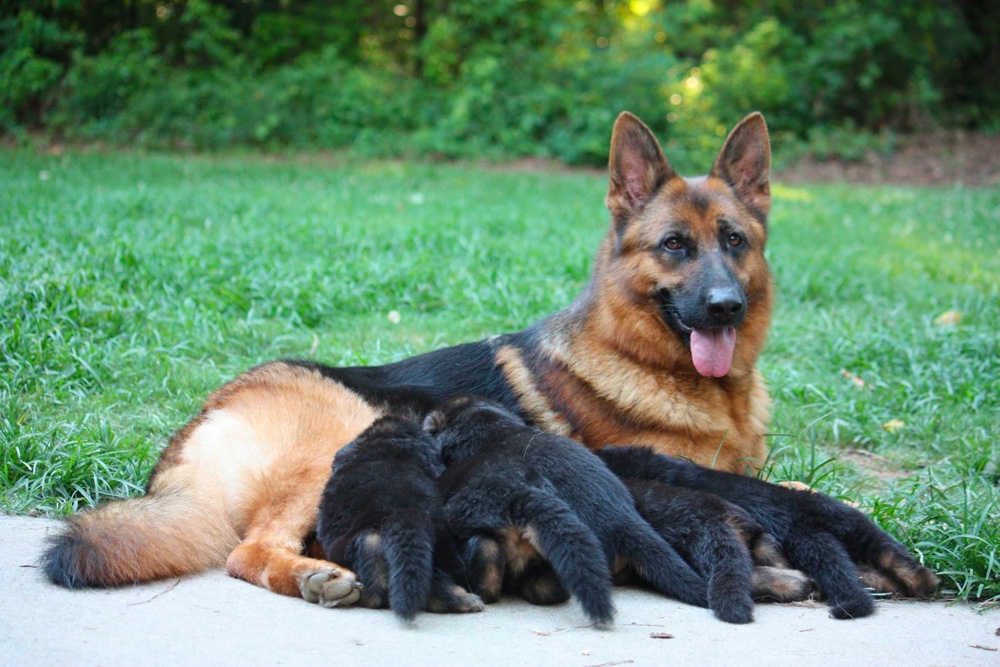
[(935, 159), (941, 159), (872, 464)]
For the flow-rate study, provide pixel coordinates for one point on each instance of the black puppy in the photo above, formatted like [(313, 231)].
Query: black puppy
[(534, 491), (723, 543), (381, 515), (826, 539)]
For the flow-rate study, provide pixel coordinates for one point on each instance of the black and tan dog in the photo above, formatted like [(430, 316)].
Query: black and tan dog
[(660, 349), (382, 515), (516, 483), (826, 539)]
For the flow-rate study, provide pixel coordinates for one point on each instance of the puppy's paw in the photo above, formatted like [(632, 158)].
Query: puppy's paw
[(468, 603), (330, 587), (455, 600), (776, 584), (853, 607)]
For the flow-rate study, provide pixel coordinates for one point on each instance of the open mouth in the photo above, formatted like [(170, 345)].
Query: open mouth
[(711, 349)]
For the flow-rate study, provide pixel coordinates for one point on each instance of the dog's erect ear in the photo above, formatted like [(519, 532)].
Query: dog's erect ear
[(744, 162), (636, 164), (434, 422)]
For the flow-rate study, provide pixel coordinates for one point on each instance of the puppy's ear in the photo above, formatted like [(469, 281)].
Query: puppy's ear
[(435, 422), (636, 165)]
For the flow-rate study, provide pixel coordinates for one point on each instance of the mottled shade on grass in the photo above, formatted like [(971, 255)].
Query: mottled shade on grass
[(131, 285)]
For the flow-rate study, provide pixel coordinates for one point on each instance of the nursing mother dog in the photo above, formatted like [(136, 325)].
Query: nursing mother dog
[(660, 349)]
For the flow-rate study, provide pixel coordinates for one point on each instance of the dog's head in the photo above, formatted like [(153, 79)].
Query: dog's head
[(687, 253)]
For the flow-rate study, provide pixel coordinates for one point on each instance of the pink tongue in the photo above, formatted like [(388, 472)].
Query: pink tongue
[(712, 350)]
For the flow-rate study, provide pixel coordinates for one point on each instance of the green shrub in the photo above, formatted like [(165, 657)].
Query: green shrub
[(32, 63), (97, 89), (492, 77)]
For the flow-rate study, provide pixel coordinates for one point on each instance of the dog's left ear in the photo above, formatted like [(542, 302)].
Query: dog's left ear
[(745, 162), (637, 166)]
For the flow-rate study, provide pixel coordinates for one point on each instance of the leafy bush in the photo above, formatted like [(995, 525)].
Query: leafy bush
[(491, 77), (30, 69), (97, 89)]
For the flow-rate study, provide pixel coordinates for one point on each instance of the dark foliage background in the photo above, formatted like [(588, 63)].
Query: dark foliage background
[(493, 77)]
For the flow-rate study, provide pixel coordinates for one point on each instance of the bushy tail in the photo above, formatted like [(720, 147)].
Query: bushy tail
[(408, 542), (166, 534), (571, 548)]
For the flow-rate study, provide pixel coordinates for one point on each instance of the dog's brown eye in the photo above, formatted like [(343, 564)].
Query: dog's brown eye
[(672, 243), (735, 240)]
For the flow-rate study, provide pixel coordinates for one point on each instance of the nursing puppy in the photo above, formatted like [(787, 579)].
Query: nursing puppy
[(507, 481), (829, 541), (723, 543), (381, 515)]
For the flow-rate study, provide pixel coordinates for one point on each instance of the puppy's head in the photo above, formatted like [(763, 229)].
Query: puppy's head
[(392, 438), (463, 424)]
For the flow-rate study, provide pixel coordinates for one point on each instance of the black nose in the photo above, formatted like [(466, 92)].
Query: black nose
[(725, 306)]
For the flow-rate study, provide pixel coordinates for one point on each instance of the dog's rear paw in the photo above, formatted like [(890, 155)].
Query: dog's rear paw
[(330, 587)]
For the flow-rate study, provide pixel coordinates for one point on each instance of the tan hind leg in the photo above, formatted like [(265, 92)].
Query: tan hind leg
[(270, 554), (267, 440)]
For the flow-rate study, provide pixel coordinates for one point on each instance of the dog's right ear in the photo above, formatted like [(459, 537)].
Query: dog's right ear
[(637, 165), (435, 422)]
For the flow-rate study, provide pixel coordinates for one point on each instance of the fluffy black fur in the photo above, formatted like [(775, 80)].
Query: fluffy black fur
[(505, 478), (381, 515), (723, 543), (821, 536)]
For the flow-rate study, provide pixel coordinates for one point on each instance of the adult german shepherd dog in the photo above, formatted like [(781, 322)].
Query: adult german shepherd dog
[(660, 349)]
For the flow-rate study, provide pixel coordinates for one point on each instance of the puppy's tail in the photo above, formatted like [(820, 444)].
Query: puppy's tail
[(408, 542), (571, 548), (165, 534)]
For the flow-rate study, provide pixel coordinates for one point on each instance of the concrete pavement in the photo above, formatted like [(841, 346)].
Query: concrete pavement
[(212, 619)]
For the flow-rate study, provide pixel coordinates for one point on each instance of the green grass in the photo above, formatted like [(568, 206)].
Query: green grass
[(131, 285)]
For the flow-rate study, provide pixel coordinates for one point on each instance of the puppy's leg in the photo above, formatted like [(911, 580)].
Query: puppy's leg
[(483, 567), (825, 557), (766, 550), (884, 564), (542, 587), (366, 557)]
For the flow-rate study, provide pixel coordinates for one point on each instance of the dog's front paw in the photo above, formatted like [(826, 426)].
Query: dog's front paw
[(330, 587)]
